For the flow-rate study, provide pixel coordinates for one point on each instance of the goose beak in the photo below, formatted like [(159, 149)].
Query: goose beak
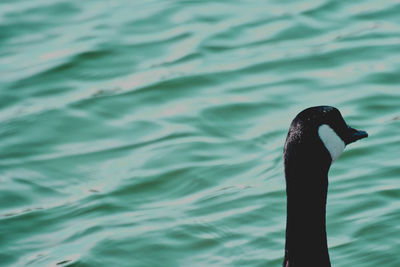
[(354, 135)]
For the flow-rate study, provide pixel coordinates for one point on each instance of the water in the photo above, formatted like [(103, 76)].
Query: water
[(150, 133)]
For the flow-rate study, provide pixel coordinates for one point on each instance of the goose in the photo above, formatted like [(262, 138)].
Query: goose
[(316, 138)]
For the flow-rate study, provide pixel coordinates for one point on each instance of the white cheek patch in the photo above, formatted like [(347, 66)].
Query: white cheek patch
[(331, 140)]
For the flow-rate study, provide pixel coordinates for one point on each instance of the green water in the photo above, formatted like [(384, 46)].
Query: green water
[(150, 133)]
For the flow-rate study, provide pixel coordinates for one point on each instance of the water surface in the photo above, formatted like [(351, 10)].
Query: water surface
[(150, 133)]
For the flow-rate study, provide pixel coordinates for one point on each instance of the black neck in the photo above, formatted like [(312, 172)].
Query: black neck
[(306, 188)]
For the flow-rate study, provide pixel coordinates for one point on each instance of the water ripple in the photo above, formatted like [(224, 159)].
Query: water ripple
[(150, 133)]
